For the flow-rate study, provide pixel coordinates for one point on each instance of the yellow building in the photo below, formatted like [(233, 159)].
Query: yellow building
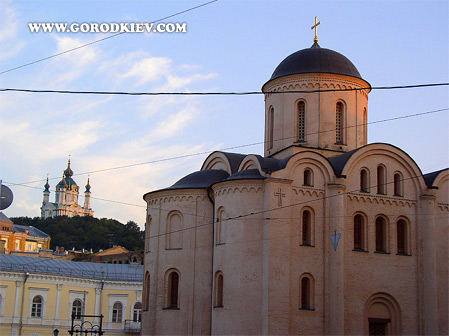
[(39, 296), (22, 238)]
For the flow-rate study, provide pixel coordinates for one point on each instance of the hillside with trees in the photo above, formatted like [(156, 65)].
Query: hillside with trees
[(87, 232)]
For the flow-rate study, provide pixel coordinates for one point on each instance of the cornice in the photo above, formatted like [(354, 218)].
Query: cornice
[(240, 187), (379, 199), (310, 191), (186, 195)]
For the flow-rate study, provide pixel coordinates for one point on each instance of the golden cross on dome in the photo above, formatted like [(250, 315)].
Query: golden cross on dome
[(315, 26)]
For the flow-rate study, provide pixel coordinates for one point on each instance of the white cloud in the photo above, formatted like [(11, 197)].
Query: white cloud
[(149, 69), (9, 43)]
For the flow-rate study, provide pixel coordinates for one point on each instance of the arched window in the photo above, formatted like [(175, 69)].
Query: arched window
[(173, 290), (398, 190), (381, 235), (402, 235), (365, 126), (381, 180), (137, 312), (117, 312), (147, 234), (359, 233), (77, 309), (146, 292), (308, 177), (339, 123), (36, 308), (364, 180), (301, 121), (220, 228), (218, 297), (270, 128), (174, 229), (306, 292), (306, 228)]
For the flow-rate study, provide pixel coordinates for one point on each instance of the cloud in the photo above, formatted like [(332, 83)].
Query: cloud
[(149, 69), (9, 43)]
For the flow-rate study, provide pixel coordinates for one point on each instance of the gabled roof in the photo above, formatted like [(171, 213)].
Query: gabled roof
[(4, 218), (34, 232), (430, 177)]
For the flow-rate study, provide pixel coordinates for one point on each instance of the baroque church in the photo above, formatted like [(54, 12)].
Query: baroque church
[(66, 198), (324, 234)]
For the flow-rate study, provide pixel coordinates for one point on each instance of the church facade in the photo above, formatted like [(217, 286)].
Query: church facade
[(66, 198), (324, 234)]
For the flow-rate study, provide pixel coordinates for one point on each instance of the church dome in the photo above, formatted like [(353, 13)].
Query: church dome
[(316, 60)]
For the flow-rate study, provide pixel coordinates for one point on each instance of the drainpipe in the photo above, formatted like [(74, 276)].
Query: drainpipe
[(27, 274), (212, 261)]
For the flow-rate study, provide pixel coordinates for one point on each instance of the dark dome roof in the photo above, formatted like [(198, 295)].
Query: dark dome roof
[(316, 59)]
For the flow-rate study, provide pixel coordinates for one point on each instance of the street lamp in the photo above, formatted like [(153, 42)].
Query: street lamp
[(55, 332)]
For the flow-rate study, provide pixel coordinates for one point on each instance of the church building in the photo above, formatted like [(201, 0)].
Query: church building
[(324, 234), (66, 198)]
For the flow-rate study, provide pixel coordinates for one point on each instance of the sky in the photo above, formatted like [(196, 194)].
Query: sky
[(229, 46)]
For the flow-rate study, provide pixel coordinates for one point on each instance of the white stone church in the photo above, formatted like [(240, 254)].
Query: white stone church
[(248, 244), (66, 198)]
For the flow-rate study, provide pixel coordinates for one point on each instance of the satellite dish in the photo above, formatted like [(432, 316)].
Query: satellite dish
[(5, 197)]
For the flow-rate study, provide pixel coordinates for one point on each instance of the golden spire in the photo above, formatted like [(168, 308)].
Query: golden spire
[(315, 26)]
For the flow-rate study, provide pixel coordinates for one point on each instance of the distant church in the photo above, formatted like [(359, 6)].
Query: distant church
[(324, 234), (66, 198)]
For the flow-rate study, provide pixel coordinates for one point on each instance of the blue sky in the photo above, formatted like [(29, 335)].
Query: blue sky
[(229, 46)]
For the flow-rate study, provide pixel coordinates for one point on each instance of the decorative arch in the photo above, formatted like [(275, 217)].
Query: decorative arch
[(146, 291), (382, 312), (147, 233), (173, 238), (220, 228)]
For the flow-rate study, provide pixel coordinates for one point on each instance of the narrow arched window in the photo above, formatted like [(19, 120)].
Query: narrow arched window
[(364, 180), (220, 228), (137, 312), (365, 126), (77, 309), (36, 308), (380, 235), (301, 121), (398, 190), (306, 291), (339, 123), (381, 180), (117, 312), (146, 292), (173, 287), (270, 128), (401, 231), (147, 234), (218, 290), (306, 228), (308, 177), (358, 232)]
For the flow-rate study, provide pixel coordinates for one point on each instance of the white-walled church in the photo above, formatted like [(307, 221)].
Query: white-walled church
[(248, 244), (66, 198)]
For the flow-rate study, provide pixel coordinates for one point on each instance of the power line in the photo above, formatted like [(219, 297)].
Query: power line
[(231, 148), (244, 93), (103, 39)]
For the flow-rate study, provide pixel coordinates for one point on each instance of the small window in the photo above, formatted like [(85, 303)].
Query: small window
[(306, 228), (77, 308), (36, 308), (173, 288), (339, 123), (380, 235), (220, 229), (364, 180), (218, 290), (308, 177), (365, 126), (270, 128), (398, 190), (358, 233), (301, 121), (401, 231), (381, 180), (174, 229), (147, 234), (117, 311), (146, 293), (306, 292), (137, 312)]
